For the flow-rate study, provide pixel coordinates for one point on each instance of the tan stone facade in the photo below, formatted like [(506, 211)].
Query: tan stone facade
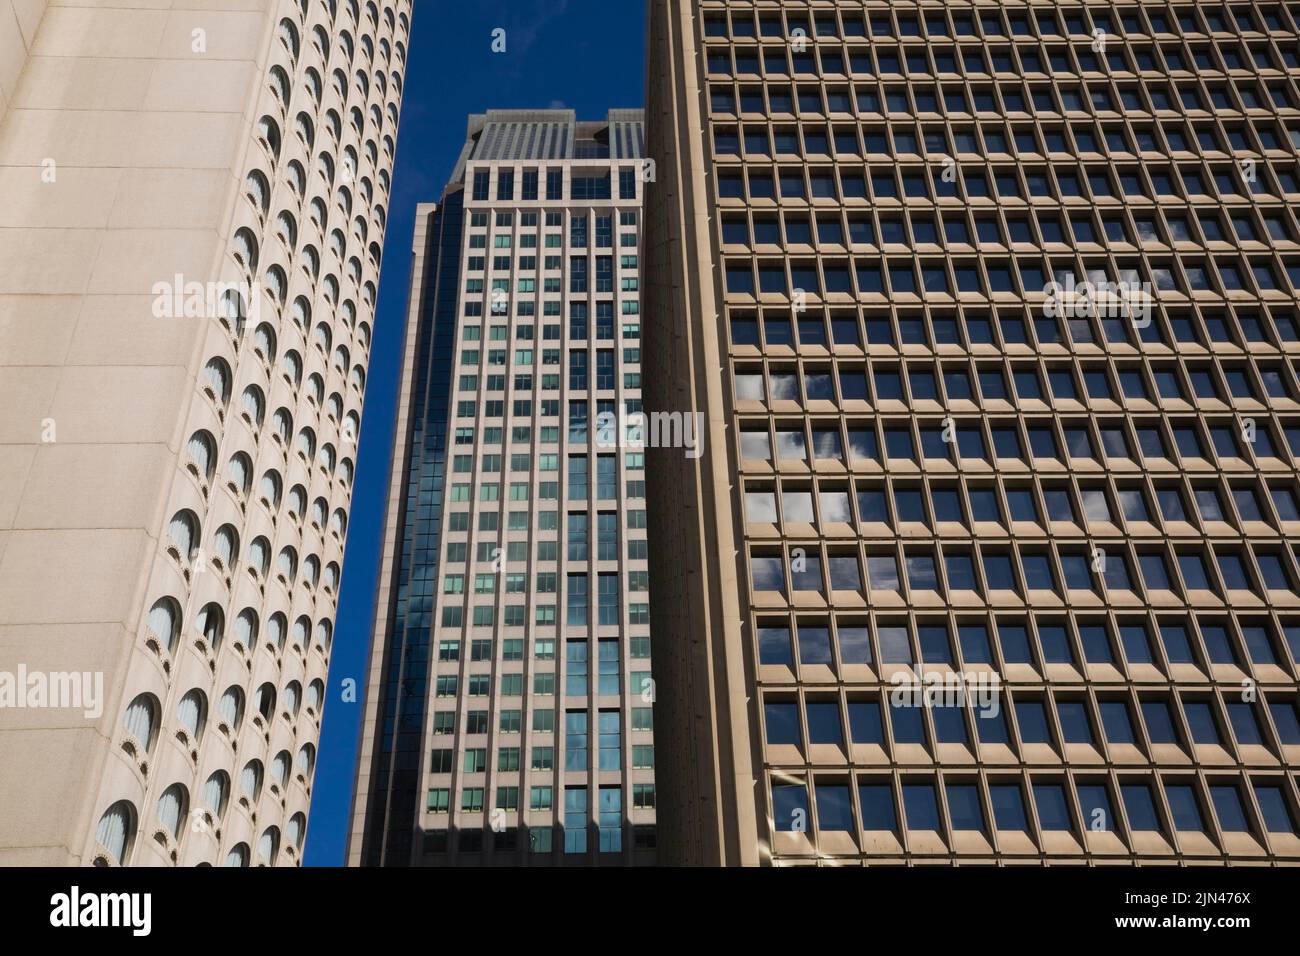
[(190, 238), (1069, 519)]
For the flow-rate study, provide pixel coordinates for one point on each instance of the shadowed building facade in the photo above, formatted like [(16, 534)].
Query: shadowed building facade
[(508, 716)]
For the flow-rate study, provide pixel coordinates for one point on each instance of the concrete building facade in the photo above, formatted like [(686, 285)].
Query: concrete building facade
[(509, 713), (992, 312), (194, 205)]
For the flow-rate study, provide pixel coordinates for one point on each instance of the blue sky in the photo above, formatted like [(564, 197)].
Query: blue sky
[(584, 55)]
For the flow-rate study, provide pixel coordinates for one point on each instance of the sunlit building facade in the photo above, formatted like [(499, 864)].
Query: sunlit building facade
[(936, 457), (194, 210)]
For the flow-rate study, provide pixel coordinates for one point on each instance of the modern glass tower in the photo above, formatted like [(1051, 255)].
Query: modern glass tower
[(508, 719), (992, 310), (194, 208)]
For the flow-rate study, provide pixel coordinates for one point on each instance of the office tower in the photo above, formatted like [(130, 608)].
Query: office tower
[(934, 449), (194, 206), (508, 717)]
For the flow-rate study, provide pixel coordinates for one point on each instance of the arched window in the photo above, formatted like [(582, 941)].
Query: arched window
[(321, 337), (266, 700), (271, 488), (276, 285), (202, 449), (264, 341), (238, 855), (216, 793), (286, 228), (212, 625), (301, 629), (292, 697), (258, 191), (254, 405), (192, 714), (172, 807), (312, 78), (306, 761), (315, 691), (280, 769), (230, 709), (268, 847), (288, 35), (233, 310), (307, 443), (324, 635), (297, 502), (287, 564), (268, 134), (182, 532), (225, 545), (216, 380), (259, 556), (116, 831), (294, 831), (240, 470), (276, 631), (297, 177), (301, 312), (164, 623), (279, 84), (141, 721), (311, 571), (283, 424), (303, 127), (246, 248), (250, 781), (293, 367), (311, 261), (246, 628)]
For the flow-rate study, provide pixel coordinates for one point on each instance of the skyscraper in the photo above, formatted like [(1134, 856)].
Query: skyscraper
[(508, 717), (190, 239), (992, 310)]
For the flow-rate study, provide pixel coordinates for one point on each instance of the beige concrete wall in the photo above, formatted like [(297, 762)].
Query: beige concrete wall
[(105, 195), (19, 20), (124, 151)]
